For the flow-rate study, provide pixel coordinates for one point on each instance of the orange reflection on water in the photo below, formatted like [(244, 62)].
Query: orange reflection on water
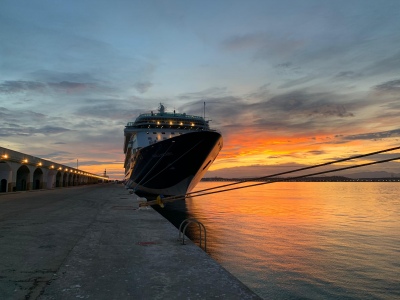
[(322, 232)]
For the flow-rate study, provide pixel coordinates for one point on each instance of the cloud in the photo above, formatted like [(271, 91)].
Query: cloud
[(307, 104), (204, 94), (108, 109), (389, 86), (17, 130), (288, 68), (11, 87), (98, 163), (55, 156), (20, 116), (255, 171), (142, 87), (48, 129), (20, 86), (44, 75), (71, 87), (264, 46), (245, 41), (298, 81), (345, 75), (388, 65), (220, 109), (374, 135), (22, 122)]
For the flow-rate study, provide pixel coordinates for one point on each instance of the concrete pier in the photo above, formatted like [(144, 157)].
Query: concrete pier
[(90, 242)]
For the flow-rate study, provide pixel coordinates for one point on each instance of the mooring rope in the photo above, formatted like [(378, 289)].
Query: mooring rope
[(301, 169), (204, 191)]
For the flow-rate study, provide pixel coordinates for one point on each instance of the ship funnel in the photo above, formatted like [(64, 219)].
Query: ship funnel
[(162, 108)]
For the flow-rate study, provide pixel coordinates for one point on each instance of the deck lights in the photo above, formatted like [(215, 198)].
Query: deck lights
[(25, 160), (4, 156)]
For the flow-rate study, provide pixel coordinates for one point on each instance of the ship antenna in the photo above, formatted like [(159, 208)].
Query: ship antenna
[(204, 110)]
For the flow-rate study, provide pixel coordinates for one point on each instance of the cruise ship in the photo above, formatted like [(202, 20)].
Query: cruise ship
[(168, 153)]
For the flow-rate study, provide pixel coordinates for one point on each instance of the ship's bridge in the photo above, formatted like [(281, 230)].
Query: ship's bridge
[(170, 120)]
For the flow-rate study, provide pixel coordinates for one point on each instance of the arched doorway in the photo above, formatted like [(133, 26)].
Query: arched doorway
[(3, 187), (58, 179), (5, 176), (37, 179), (22, 178), (65, 180)]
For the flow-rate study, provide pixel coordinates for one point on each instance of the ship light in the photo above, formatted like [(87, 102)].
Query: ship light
[(191, 124), (25, 160), (40, 164), (170, 122), (180, 123), (4, 156), (66, 169), (51, 167), (158, 122)]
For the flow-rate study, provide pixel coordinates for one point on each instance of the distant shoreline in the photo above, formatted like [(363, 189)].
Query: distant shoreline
[(308, 179)]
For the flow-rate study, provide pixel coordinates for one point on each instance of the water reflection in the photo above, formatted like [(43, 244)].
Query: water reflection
[(302, 240), (306, 239)]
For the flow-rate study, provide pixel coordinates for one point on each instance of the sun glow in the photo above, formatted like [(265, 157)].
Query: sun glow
[(254, 149)]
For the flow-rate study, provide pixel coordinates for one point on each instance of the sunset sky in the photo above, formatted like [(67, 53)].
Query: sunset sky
[(288, 83)]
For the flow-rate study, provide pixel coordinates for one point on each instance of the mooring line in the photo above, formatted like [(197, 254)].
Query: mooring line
[(298, 170), (201, 192), (302, 176)]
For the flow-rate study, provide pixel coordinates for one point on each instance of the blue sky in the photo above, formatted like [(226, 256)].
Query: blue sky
[(288, 83)]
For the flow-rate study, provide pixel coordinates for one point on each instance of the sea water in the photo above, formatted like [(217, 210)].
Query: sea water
[(304, 240)]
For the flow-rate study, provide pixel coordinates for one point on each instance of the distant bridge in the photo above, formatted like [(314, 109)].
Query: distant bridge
[(23, 172)]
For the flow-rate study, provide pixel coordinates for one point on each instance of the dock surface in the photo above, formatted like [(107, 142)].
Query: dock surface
[(90, 242)]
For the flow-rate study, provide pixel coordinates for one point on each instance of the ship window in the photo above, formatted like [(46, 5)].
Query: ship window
[(162, 132), (172, 132), (154, 132)]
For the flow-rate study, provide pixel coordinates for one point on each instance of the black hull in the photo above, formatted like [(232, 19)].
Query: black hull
[(173, 166)]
